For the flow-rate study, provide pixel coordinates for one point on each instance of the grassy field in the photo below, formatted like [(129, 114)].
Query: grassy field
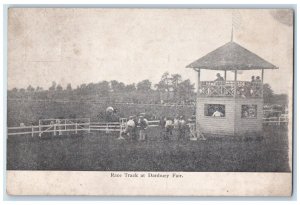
[(99, 151), (31, 111)]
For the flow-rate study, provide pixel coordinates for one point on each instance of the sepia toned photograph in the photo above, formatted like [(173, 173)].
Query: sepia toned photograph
[(163, 92)]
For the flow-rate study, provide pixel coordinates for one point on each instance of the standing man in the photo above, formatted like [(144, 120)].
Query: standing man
[(162, 124), (176, 127), (143, 125), (219, 78), (169, 128), (135, 133), (182, 127), (129, 130)]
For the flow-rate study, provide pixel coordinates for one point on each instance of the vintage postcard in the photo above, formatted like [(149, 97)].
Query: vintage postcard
[(150, 102)]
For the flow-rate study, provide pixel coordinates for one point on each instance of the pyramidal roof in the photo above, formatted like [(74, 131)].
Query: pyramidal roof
[(231, 56)]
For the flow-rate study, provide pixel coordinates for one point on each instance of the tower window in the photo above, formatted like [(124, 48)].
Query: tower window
[(214, 110), (249, 111)]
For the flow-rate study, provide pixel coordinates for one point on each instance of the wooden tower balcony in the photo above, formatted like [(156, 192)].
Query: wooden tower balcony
[(238, 89)]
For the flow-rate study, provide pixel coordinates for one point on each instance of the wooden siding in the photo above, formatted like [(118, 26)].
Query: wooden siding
[(232, 123), (248, 125)]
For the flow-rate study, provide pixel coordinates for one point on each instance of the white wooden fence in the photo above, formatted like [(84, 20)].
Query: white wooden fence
[(55, 126), (281, 120), (60, 126)]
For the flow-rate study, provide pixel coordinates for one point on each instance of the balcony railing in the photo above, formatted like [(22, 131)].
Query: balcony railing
[(241, 89)]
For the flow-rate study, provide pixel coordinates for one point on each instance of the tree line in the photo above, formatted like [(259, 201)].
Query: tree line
[(170, 88)]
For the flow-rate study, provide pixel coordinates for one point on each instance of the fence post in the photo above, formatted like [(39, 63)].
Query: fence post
[(32, 130), (54, 129), (106, 129), (40, 133), (89, 124), (65, 124), (76, 128)]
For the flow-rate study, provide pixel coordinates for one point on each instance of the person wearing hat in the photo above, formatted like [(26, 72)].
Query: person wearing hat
[(135, 131), (219, 77), (143, 125), (168, 128), (176, 126), (182, 127), (130, 125)]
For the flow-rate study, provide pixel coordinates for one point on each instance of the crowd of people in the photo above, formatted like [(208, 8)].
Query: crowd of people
[(135, 128), (171, 128), (174, 128)]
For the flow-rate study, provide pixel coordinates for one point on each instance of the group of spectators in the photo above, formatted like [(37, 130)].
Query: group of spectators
[(253, 78), (249, 89), (174, 128), (135, 128)]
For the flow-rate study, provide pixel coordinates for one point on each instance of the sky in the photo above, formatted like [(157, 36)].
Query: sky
[(129, 45)]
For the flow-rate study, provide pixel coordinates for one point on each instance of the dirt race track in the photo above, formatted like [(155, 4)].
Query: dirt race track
[(100, 151)]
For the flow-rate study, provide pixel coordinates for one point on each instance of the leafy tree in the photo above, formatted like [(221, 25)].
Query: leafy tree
[(114, 85), (268, 93), (30, 89), (130, 87), (69, 87), (38, 89), (185, 90), (117, 86), (22, 90), (102, 88), (176, 79), (53, 86), (59, 87), (144, 86), (15, 90)]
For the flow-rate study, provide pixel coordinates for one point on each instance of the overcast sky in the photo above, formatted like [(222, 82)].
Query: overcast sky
[(90, 45)]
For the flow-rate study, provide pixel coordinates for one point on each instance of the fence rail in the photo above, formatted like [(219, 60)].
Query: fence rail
[(58, 126)]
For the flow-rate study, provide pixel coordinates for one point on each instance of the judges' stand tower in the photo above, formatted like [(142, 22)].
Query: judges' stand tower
[(230, 107)]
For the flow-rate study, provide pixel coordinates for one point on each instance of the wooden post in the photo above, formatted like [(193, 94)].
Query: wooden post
[(106, 129), (225, 75), (76, 128), (199, 84), (235, 82), (32, 130), (40, 133), (54, 129), (89, 124), (262, 82)]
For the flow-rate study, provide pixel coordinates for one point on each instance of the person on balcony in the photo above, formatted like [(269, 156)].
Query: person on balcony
[(218, 82), (219, 78), (258, 80), (258, 86)]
